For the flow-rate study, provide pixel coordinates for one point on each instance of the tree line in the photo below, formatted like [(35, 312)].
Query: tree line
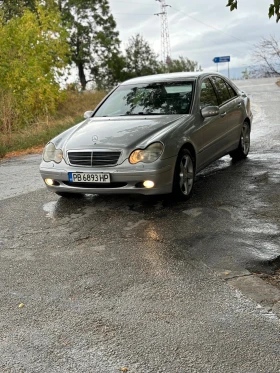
[(40, 41), (93, 41)]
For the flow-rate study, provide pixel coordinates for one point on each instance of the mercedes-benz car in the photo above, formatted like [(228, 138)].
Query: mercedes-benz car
[(151, 135)]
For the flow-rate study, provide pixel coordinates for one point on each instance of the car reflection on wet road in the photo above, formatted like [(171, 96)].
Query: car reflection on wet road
[(138, 282)]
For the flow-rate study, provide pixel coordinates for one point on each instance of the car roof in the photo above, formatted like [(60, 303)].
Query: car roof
[(171, 76)]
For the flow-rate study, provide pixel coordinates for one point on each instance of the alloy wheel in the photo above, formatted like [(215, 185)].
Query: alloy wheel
[(186, 174), (245, 138)]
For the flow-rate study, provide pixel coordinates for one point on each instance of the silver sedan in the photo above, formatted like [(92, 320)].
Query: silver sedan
[(151, 135)]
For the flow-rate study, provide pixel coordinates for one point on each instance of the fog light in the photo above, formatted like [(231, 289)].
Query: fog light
[(49, 181), (148, 184)]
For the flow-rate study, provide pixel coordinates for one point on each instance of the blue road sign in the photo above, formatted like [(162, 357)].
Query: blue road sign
[(221, 59)]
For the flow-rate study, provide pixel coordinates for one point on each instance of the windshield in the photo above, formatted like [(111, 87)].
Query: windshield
[(148, 99)]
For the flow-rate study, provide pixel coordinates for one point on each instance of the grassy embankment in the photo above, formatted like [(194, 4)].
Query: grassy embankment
[(33, 138)]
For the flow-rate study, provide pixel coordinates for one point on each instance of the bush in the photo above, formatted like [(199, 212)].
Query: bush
[(33, 49), (69, 112)]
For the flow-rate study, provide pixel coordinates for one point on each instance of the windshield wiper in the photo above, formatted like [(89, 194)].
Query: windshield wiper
[(142, 113)]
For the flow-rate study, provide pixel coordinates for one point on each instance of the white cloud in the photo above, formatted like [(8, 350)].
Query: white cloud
[(199, 30)]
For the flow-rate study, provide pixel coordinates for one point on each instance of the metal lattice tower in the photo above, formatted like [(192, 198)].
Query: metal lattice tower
[(165, 40)]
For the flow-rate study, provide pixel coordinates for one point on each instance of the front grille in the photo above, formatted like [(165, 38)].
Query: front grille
[(93, 158)]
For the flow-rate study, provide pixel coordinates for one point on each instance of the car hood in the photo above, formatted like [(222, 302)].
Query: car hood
[(119, 132)]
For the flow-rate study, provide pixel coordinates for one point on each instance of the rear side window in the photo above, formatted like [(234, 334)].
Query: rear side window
[(232, 92), (222, 89), (208, 95)]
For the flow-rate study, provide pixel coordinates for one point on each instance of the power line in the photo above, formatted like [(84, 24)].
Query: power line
[(213, 27), (186, 14), (137, 14)]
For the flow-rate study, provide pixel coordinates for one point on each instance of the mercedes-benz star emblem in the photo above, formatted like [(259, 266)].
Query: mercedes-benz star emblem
[(94, 138)]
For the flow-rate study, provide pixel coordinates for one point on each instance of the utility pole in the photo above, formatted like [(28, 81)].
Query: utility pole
[(165, 40)]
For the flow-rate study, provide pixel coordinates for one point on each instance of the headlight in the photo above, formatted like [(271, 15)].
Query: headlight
[(52, 154), (148, 155)]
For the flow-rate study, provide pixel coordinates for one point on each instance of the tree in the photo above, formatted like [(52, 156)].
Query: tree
[(92, 33), (33, 48), (15, 8), (93, 36), (267, 55), (140, 59), (181, 64), (273, 10), (247, 74), (109, 72)]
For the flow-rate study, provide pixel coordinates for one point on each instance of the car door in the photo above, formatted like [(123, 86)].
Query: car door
[(213, 128), (231, 106), (237, 113)]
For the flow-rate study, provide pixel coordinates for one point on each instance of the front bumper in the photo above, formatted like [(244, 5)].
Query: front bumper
[(125, 179)]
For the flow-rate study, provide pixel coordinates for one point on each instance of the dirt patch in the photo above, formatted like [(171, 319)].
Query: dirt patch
[(270, 272), (271, 279), (18, 153)]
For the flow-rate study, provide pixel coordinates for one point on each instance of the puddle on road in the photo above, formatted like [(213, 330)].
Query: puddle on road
[(265, 228), (221, 164), (214, 213), (58, 209), (134, 225), (264, 156), (50, 208), (194, 212), (92, 204)]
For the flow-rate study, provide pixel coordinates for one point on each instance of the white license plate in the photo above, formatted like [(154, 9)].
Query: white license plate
[(88, 177)]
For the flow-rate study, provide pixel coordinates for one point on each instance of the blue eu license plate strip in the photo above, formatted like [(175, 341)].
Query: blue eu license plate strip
[(88, 177)]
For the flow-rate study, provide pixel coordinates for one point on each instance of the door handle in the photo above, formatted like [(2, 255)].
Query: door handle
[(238, 106), (223, 114)]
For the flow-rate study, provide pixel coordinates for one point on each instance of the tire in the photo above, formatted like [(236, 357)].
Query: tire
[(244, 144), (68, 195), (184, 175)]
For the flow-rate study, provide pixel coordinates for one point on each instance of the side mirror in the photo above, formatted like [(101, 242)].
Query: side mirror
[(88, 114), (210, 111)]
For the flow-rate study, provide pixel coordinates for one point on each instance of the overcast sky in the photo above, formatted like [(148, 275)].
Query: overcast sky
[(199, 29)]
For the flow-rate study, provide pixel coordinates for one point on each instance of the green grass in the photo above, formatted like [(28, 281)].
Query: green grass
[(34, 138), (44, 129)]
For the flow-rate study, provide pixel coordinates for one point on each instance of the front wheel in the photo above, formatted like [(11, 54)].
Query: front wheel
[(184, 175), (244, 144)]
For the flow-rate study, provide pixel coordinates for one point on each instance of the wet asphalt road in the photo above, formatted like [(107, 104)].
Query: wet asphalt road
[(143, 283)]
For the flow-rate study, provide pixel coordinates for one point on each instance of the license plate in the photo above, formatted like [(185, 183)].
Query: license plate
[(88, 177)]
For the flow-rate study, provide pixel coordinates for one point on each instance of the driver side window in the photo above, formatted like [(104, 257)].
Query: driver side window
[(207, 94)]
